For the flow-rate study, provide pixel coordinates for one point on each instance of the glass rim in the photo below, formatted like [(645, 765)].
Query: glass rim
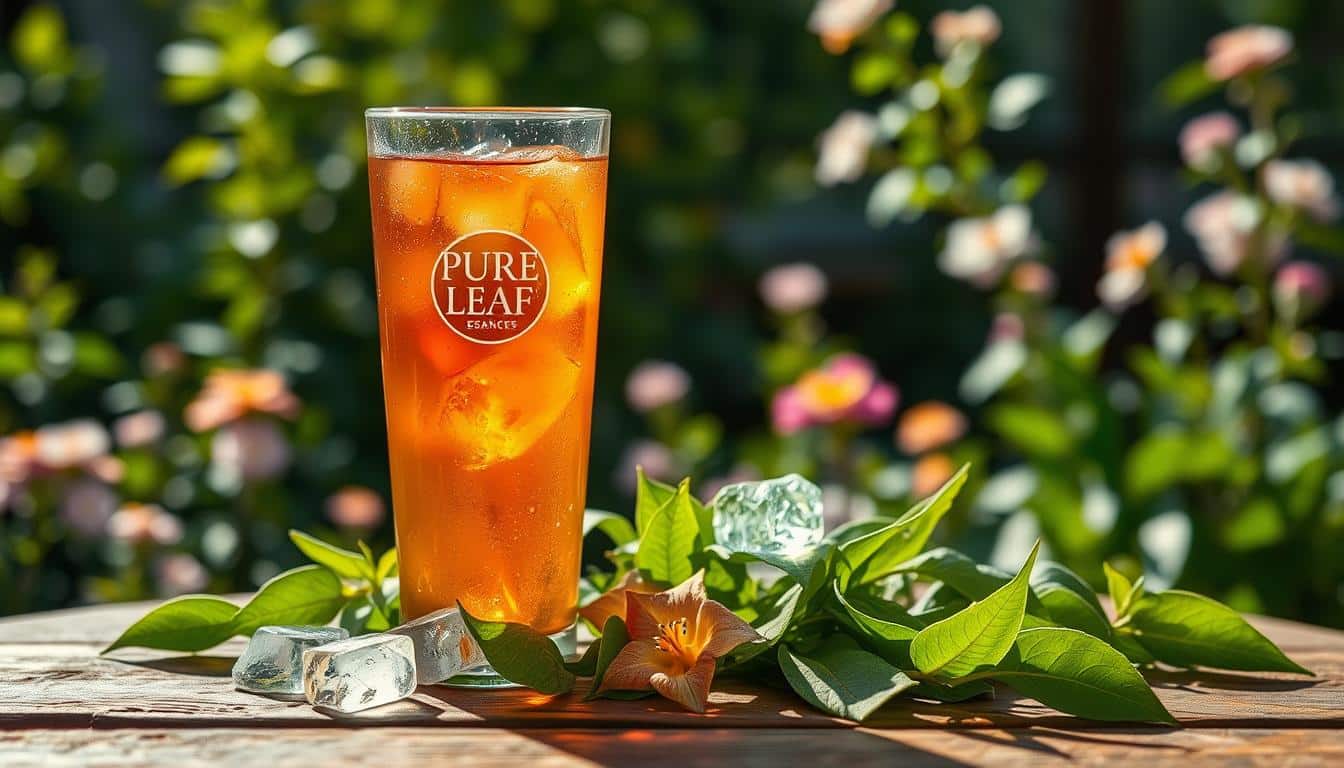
[(491, 113)]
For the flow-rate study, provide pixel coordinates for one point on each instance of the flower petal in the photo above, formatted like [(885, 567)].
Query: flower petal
[(643, 613), (635, 666), (612, 602), (690, 689), (719, 630)]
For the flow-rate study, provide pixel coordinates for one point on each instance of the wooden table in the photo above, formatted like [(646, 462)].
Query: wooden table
[(62, 704)]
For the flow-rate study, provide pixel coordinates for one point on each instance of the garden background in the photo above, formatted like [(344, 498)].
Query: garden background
[(861, 242)]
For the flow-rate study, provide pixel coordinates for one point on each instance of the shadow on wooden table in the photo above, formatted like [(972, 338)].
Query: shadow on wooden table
[(201, 666), (1194, 681)]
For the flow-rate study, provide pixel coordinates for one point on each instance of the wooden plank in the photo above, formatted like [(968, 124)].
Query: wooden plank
[(649, 748), (68, 685)]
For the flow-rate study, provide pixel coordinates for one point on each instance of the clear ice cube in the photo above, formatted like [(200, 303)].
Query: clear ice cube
[(443, 646), (359, 673), (782, 515), (273, 660)]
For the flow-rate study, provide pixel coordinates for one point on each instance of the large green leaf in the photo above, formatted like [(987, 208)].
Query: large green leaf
[(309, 594), (616, 527), (650, 496), (775, 620), (520, 654), (1068, 599), (978, 636), (188, 623), (1077, 673), (874, 555), (888, 636), (1189, 630), (346, 564), (669, 538), (802, 566), (845, 682)]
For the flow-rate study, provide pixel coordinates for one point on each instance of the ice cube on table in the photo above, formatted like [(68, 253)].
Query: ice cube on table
[(443, 646), (782, 515), (273, 660), (359, 673)]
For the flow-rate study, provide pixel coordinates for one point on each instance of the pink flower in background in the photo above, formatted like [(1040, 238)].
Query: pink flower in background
[(838, 22), (229, 395), (792, 288), (355, 506), (1033, 279), (1007, 326), (1300, 288), (1246, 49), (978, 25), (654, 384), (1302, 184), (1222, 225), (842, 149), (1205, 136), (845, 389), (652, 456), (180, 574), (136, 430), (138, 523), (86, 506), (162, 358), (1128, 257), (71, 444), (980, 249), (929, 425), (250, 450)]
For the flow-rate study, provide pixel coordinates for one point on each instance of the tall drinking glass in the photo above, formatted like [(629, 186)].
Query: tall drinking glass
[(487, 234)]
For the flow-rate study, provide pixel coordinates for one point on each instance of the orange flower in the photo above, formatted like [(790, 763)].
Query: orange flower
[(930, 473), (675, 638), (929, 425), (612, 602), (229, 395)]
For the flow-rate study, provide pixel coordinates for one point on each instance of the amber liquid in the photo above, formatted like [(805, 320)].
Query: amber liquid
[(489, 443)]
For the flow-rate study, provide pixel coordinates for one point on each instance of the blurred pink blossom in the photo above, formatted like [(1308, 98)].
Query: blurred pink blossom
[(71, 444), (1300, 288), (138, 523), (136, 430), (162, 358), (978, 25), (652, 456), (838, 22), (1129, 254), (1033, 279), (180, 574), (1007, 326), (1205, 136), (654, 384), (1246, 49), (251, 449), (845, 389), (355, 506), (842, 149), (1302, 184), (792, 288), (929, 425), (1223, 224), (86, 506), (229, 395), (980, 249)]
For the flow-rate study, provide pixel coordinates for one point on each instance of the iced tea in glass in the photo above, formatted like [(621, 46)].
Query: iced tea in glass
[(487, 231)]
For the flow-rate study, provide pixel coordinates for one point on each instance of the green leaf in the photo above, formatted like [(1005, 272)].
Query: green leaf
[(1077, 673), (1188, 630), (888, 636), (799, 566), (952, 694), (1187, 84), (977, 636), (520, 654), (874, 555), (1037, 431), (650, 496), (586, 664), (775, 620), (845, 682), (188, 623), (387, 566), (1122, 591), (346, 564), (1068, 599), (39, 39), (614, 638), (616, 527), (938, 602), (669, 539), (198, 157), (309, 594)]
